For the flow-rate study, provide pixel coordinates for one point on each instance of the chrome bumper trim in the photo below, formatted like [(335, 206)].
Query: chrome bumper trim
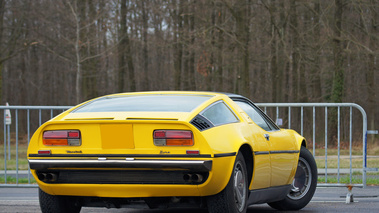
[(192, 165)]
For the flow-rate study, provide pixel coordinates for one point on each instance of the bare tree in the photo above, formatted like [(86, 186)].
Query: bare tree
[(65, 52)]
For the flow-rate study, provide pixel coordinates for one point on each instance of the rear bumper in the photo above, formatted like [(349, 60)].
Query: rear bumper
[(191, 165), (125, 179)]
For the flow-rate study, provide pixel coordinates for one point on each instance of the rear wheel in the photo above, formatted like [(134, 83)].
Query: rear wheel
[(303, 185), (233, 198), (57, 204)]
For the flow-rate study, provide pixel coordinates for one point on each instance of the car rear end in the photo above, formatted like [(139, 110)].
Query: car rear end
[(106, 152)]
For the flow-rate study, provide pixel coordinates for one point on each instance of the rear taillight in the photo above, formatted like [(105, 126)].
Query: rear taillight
[(62, 138), (173, 138), (44, 152)]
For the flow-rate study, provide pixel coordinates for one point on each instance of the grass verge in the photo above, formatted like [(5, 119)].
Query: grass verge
[(345, 163), (346, 180), (11, 164), (13, 180)]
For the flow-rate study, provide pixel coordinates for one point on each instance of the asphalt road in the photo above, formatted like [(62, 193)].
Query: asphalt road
[(325, 200)]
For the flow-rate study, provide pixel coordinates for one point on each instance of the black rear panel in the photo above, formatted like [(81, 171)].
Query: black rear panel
[(123, 177)]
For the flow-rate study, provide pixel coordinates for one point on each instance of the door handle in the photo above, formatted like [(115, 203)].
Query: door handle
[(267, 136)]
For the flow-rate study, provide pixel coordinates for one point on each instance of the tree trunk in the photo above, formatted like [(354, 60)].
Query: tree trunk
[(210, 69), (281, 56), (372, 66), (121, 48), (91, 63), (316, 85), (295, 52), (145, 18), (219, 69), (338, 78), (241, 13), (2, 10), (273, 55), (78, 79), (191, 74), (178, 21), (186, 45), (124, 51)]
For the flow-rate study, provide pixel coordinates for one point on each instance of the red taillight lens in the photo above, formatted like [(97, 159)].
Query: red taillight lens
[(193, 152), (62, 138), (55, 134), (73, 134), (159, 134), (173, 138), (179, 134), (44, 152)]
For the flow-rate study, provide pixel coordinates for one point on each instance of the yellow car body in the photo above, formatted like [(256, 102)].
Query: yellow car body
[(118, 144)]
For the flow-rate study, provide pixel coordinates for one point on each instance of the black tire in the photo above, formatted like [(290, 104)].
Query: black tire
[(232, 199), (303, 186), (57, 204)]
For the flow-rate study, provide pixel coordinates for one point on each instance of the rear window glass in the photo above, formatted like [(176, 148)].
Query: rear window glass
[(144, 103), (219, 114)]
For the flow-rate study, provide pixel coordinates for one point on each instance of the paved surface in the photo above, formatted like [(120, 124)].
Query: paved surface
[(324, 200)]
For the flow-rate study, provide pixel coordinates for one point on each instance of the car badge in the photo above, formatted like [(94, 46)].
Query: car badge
[(74, 151)]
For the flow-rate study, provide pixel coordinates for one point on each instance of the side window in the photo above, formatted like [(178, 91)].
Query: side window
[(254, 115), (219, 113)]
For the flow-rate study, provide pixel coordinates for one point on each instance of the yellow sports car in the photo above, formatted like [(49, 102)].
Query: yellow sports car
[(170, 149)]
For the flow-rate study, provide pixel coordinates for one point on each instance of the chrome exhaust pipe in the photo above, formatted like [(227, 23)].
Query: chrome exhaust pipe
[(187, 177), (42, 177), (197, 178), (52, 177)]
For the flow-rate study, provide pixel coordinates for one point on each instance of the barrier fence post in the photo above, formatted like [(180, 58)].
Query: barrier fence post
[(5, 151)]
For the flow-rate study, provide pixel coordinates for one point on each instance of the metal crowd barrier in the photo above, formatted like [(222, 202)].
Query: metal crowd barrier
[(325, 106), (28, 110), (34, 116)]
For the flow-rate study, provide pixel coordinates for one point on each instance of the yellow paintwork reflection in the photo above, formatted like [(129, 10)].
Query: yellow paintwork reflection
[(282, 164), (262, 176)]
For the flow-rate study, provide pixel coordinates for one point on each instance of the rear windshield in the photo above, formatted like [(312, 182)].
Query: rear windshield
[(144, 103)]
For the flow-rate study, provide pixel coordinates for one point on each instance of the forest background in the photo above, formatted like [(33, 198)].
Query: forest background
[(65, 52)]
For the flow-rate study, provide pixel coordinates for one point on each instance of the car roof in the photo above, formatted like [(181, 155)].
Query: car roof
[(178, 92), (213, 93)]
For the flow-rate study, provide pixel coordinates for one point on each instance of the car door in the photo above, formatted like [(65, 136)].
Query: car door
[(283, 156), (282, 151), (262, 166)]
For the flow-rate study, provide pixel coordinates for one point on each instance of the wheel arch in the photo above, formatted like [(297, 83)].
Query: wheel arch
[(304, 143), (249, 160)]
